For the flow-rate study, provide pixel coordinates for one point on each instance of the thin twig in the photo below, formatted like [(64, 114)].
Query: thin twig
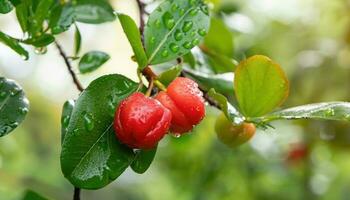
[(142, 12), (76, 193), (69, 67)]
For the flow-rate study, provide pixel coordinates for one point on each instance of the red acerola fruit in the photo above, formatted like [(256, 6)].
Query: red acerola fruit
[(141, 122), (185, 101)]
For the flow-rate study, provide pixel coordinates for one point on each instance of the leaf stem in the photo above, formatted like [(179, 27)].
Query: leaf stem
[(69, 67)]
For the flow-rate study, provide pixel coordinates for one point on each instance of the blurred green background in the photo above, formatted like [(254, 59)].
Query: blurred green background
[(296, 160)]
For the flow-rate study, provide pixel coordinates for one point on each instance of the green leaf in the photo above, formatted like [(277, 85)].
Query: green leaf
[(61, 18), (5, 6), (65, 117), (13, 105), (168, 76), (14, 45), (133, 34), (230, 111), (92, 61), (220, 63), (91, 155), (143, 160), (42, 11), (325, 111), (40, 41), (31, 195), (189, 59), (223, 83), (22, 15), (15, 2), (219, 38), (260, 86), (93, 11), (174, 28), (77, 41)]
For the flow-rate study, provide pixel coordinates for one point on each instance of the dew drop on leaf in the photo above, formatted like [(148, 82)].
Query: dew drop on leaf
[(329, 112), (89, 124), (15, 91), (194, 12), (158, 23), (3, 94), (168, 20), (23, 111), (153, 40), (174, 7), (187, 26), (182, 11), (205, 10), (195, 42), (174, 47), (187, 45), (192, 2), (165, 53), (178, 35), (202, 32)]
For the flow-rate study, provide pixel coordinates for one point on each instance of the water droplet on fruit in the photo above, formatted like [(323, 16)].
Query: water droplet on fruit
[(174, 47), (187, 26), (178, 35), (187, 45), (176, 135), (89, 124), (165, 53)]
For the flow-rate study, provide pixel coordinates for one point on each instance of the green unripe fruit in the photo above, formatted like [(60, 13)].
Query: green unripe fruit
[(233, 135)]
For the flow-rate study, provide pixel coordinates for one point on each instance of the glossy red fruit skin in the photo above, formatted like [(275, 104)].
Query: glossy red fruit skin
[(141, 122), (185, 101)]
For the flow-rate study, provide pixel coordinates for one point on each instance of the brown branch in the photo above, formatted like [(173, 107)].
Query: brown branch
[(69, 67), (76, 193), (142, 12)]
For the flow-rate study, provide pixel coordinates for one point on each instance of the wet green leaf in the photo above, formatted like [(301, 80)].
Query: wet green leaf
[(40, 41), (93, 12), (91, 155), (65, 117), (325, 111), (5, 6), (174, 28), (77, 41), (219, 63), (31, 195), (14, 45), (143, 160), (230, 111), (219, 38), (61, 18), (13, 105), (223, 83), (23, 16), (92, 61), (133, 34), (41, 13), (260, 86), (168, 76)]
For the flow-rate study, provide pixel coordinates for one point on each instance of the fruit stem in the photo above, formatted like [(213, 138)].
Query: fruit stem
[(150, 87), (160, 85)]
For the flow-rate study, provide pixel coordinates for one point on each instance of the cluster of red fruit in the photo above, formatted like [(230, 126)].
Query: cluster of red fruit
[(141, 122)]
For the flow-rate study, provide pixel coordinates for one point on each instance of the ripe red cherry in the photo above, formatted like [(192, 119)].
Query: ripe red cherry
[(185, 101), (141, 122)]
